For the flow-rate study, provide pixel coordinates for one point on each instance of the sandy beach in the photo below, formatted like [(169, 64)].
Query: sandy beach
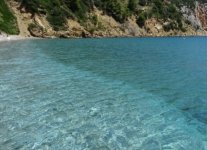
[(4, 37), (7, 38)]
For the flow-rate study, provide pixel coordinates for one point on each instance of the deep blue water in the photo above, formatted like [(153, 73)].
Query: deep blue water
[(94, 94)]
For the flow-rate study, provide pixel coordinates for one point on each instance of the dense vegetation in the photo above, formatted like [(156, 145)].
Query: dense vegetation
[(7, 20), (58, 11)]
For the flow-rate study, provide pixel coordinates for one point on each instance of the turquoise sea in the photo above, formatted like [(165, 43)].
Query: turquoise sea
[(104, 94)]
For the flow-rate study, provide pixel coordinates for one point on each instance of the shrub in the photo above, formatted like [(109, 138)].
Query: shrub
[(8, 21), (117, 9), (143, 2), (141, 19), (158, 9), (132, 5), (57, 18)]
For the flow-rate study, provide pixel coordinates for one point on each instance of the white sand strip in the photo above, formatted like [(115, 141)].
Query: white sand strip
[(4, 37)]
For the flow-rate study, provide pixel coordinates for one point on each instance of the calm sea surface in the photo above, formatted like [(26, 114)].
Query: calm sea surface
[(104, 94)]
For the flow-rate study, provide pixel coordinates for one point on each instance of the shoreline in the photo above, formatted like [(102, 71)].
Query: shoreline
[(7, 38), (103, 37)]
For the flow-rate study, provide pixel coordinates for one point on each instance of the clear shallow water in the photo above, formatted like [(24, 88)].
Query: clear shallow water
[(138, 93)]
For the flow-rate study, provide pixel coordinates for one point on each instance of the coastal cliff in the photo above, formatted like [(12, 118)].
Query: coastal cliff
[(119, 18)]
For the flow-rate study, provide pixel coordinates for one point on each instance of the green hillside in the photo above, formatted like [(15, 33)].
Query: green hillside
[(7, 20), (58, 11)]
